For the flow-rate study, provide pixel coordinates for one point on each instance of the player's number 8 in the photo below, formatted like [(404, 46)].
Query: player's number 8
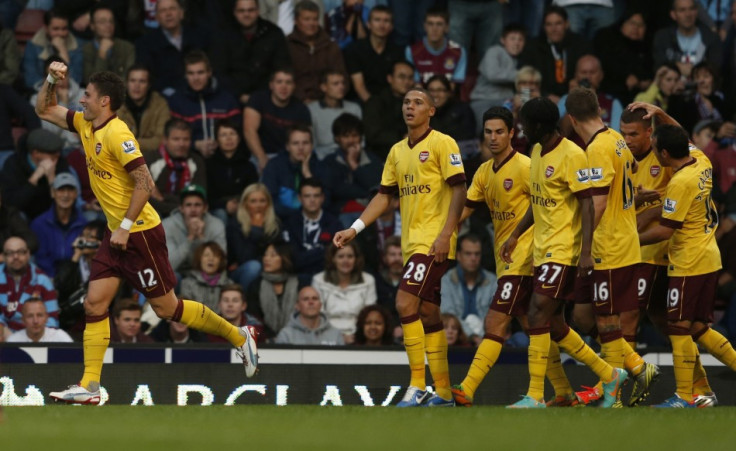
[(418, 275), (506, 291)]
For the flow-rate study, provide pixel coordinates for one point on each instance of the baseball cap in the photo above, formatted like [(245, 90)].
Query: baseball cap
[(703, 124), (44, 141), (194, 189), (63, 179)]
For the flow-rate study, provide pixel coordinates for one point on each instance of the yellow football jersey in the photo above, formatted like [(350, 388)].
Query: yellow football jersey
[(615, 240), (652, 175), (689, 209), (110, 152), (505, 189), (423, 175), (559, 175)]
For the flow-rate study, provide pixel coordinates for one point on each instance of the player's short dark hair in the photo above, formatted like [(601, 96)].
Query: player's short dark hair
[(196, 57), (542, 114), (381, 9), (304, 128), (423, 91), (233, 287), (109, 84), (469, 237), (216, 249), (305, 5), (311, 182), (499, 112), (401, 62), (554, 9), (326, 75), (673, 139), (281, 70), (346, 124), (126, 304), (437, 12), (635, 117), (513, 28), (176, 124), (582, 104), (54, 13)]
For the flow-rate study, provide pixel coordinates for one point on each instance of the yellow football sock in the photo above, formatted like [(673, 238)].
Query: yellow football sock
[(683, 358), (700, 379), (576, 347), (414, 344), (95, 340), (200, 317), (485, 358), (555, 372), (613, 352), (538, 355), (633, 362), (719, 347), (435, 344)]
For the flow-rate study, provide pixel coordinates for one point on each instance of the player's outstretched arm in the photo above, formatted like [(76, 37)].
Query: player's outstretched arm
[(375, 208), (47, 107), (441, 246), (655, 235), (467, 211), (507, 248), (654, 111), (646, 217), (587, 210)]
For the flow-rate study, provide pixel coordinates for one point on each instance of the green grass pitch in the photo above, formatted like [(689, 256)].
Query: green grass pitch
[(251, 428)]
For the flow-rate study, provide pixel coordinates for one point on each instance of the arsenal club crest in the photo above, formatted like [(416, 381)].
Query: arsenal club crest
[(98, 148), (423, 155), (550, 170), (654, 170), (507, 184)]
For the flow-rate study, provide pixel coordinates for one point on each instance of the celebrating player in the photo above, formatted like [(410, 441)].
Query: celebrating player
[(502, 183), (426, 171), (134, 246), (616, 255), (562, 214)]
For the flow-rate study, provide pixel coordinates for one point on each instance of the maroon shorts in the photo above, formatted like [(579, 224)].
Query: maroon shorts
[(583, 289), (555, 280), (144, 263), (614, 290), (422, 277), (690, 298), (513, 295), (652, 286)]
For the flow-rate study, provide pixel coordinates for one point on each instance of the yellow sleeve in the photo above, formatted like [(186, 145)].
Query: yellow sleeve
[(578, 174), (451, 162), (388, 178), (602, 170), (124, 147), (475, 192), (525, 175), (676, 203)]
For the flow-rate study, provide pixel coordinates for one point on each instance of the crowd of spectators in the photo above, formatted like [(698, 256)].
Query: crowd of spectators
[(266, 123)]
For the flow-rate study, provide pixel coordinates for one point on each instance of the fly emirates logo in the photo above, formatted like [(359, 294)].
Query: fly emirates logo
[(538, 199), (99, 173), (410, 188)]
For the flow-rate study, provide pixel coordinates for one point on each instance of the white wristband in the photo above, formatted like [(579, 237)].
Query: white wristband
[(51, 79), (358, 225), (126, 224)]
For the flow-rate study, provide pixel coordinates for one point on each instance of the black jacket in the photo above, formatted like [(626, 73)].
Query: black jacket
[(19, 192), (538, 54), (384, 122), (166, 61), (228, 178)]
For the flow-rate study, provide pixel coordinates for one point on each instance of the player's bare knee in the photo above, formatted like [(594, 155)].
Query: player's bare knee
[(497, 323), (407, 304), (95, 306), (629, 322)]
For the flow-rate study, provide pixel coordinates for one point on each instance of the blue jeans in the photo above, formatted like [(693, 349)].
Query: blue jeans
[(482, 19), (526, 12), (588, 19), (246, 273), (409, 20)]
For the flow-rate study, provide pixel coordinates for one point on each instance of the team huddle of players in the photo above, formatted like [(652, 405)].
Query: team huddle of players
[(624, 227)]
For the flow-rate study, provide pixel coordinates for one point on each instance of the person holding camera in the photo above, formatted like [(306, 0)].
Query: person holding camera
[(58, 227), (72, 276)]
